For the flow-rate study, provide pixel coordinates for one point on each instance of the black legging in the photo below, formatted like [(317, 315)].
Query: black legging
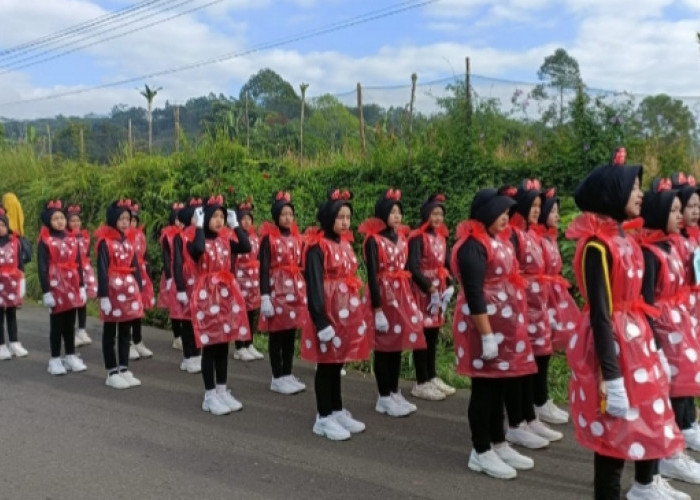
[(607, 472), (136, 331), (214, 365), (684, 410), (184, 330), (517, 394), (424, 359), (9, 313), (327, 385), (61, 327), (486, 413), (176, 327), (252, 321), (540, 386), (82, 317), (387, 368), (122, 333), (281, 347)]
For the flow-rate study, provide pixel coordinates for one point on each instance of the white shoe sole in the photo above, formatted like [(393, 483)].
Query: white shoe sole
[(319, 432), (477, 468)]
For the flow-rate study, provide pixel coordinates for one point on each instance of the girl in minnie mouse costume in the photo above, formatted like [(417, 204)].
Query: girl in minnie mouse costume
[(337, 332), (165, 290), (12, 289), (218, 308), (136, 234), (119, 289), (618, 391), (74, 213), (247, 270), (282, 291), (61, 279), (490, 342), (428, 262), (397, 318)]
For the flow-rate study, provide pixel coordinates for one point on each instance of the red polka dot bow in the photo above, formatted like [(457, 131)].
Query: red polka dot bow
[(393, 194), (686, 180), (664, 185), (440, 198), (57, 204), (178, 205), (509, 191), (135, 207), (620, 157), (246, 205), (215, 200), (283, 196), (532, 185), (551, 193), (73, 209), (124, 203), (194, 202), (340, 195)]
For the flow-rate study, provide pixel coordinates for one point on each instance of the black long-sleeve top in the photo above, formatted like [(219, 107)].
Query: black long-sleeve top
[(4, 240), (264, 258), (472, 260), (415, 251), (313, 274), (372, 261), (197, 247), (44, 256), (178, 276), (166, 254), (651, 276), (103, 268)]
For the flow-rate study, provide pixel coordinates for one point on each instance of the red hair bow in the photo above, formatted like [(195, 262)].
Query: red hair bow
[(620, 157), (215, 200), (195, 202), (57, 204), (124, 203), (664, 185), (135, 207), (510, 191), (245, 206), (551, 193), (440, 198), (691, 181), (393, 194), (178, 205), (283, 196), (340, 195), (73, 209), (533, 184)]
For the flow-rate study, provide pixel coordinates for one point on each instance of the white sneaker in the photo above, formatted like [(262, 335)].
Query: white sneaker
[(143, 351), (213, 404), (243, 354), (177, 343), (522, 436), (446, 389), (651, 491), (343, 372), (670, 491), (5, 353), (680, 466), (491, 464), (130, 379), (82, 338), (17, 349), (427, 391), (56, 367), (513, 458), (281, 385), (391, 407), (227, 398), (542, 430), (296, 383), (344, 418), (398, 397), (254, 352), (549, 413), (194, 364), (183, 364), (691, 437), (133, 353), (116, 381), (73, 363), (330, 428)]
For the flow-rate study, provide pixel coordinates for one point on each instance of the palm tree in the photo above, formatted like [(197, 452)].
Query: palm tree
[(150, 94)]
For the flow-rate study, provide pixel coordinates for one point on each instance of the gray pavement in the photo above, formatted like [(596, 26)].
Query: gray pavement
[(71, 437)]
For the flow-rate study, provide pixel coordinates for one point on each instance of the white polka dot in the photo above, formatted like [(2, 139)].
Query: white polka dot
[(659, 406), (117, 313), (337, 342), (521, 318), (491, 309), (503, 366), (535, 287), (691, 354), (697, 378), (582, 394), (675, 338), (343, 313), (290, 297), (288, 282), (573, 340), (460, 352), (675, 316), (54, 283), (118, 282), (343, 288), (227, 328), (397, 328), (354, 301), (507, 312), (617, 347), (323, 347), (292, 314), (563, 304), (669, 431), (499, 270), (204, 338), (465, 309), (636, 451), (582, 421), (395, 303), (121, 298), (640, 273), (597, 429), (412, 337), (633, 330), (502, 296), (235, 308), (630, 273), (478, 364), (243, 330), (499, 337), (200, 315), (570, 325), (520, 346), (462, 327), (641, 376), (214, 309), (673, 369), (308, 343), (202, 294), (532, 329), (278, 310), (135, 306), (224, 292)]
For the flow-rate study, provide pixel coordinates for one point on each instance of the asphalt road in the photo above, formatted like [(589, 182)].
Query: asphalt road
[(71, 437)]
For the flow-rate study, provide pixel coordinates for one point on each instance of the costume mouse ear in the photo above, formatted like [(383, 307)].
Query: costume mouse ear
[(336, 194), (509, 191), (619, 157)]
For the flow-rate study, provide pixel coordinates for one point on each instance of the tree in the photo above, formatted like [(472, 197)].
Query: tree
[(559, 71), (665, 118), (272, 93), (150, 94)]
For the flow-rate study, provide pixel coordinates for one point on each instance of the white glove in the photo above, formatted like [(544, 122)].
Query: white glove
[(22, 288), (168, 284), (326, 334), (83, 295), (446, 297), (105, 305), (48, 300), (489, 346), (266, 308), (181, 298), (231, 219), (616, 402), (434, 305), (664, 364), (199, 217), (381, 324)]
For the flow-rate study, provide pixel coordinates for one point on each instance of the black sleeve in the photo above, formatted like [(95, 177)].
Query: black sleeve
[(313, 274), (372, 261), (516, 243), (603, 336), (243, 243), (448, 256), (42, 261), (415, 251), (196, 248), (102, 266), (137, 271), (651, 273), (472, 269), (177, 264), (264, 258), (167, 264), (20, 264), (79, 261)]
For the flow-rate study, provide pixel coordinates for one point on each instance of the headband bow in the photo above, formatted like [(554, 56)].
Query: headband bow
[(393, 194), (178, 205), (73, 209), (57, 204), (340, 195), (620, 157), (440, 198), (664, 185), (195, 202), (124, 203), (283, 196), (510, 191), (135, 207), (246, 205), (551, 193), (215, 200), (533, 185), (691, 181)]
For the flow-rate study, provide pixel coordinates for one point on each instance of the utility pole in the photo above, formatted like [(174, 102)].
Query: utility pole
[(362, 119), (176, 110), (303, 88)]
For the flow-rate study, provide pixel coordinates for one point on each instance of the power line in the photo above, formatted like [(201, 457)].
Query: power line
[(337, 26)]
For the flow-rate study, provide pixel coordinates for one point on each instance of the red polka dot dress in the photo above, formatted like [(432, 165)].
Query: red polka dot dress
[(247, 270), (10, 273), (139, 241), (89, 278), (432, 266), (63, 272)]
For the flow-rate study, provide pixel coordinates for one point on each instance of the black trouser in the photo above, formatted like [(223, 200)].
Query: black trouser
[(387, 368), (136, 336), (281, 347), (517, 394), (11, 314), (424, 359), (61, 326), (486, 413), (176, 325), (122, 333), (540, 385), (82, 317), (183, 329), (252, 321), (607, 472), (214, 365), (327, 385), (684, 410)]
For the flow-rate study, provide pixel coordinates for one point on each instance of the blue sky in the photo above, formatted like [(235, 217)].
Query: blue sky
[(643, 46)]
